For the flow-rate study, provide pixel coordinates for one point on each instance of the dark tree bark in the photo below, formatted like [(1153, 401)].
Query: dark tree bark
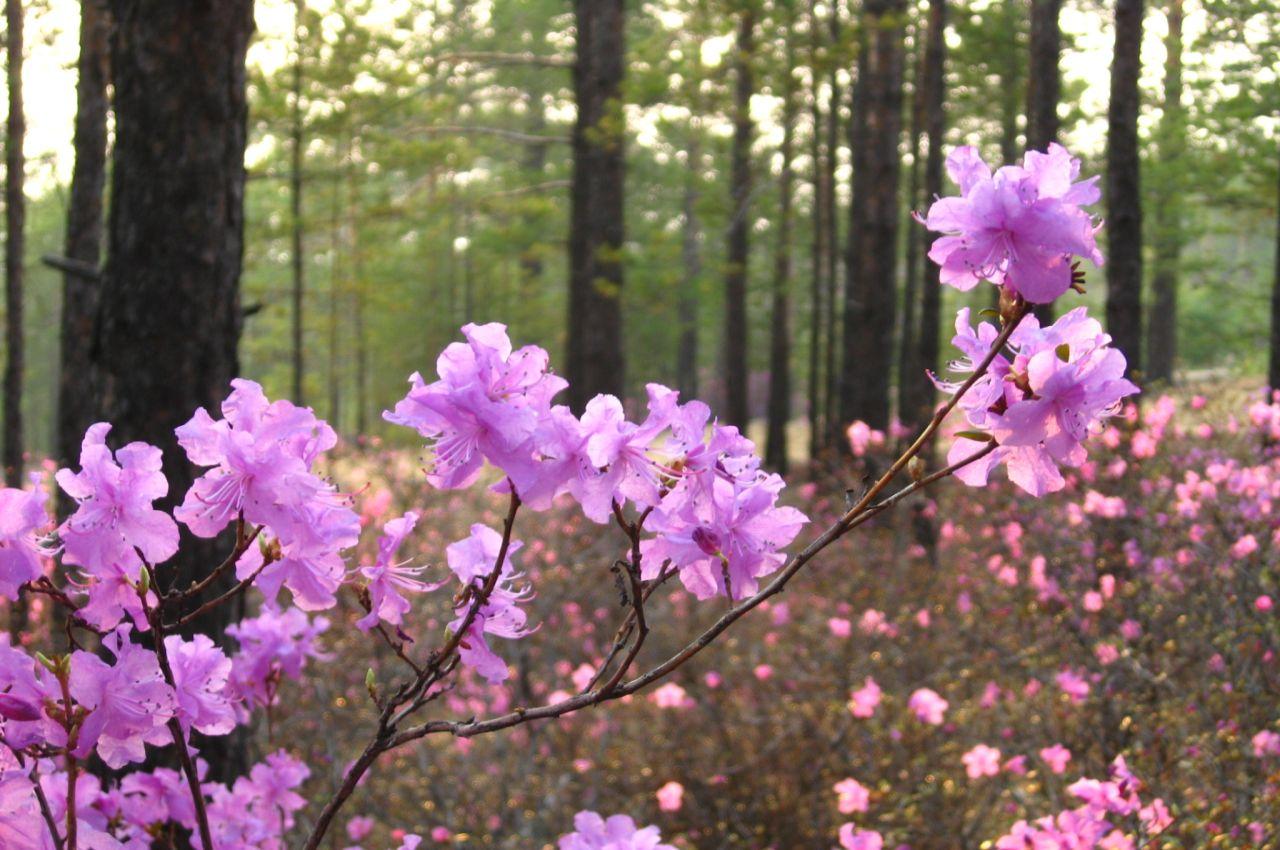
[(737, 410), (1044, 90), (691, 256), (909, 373), (77, 383), (818, 153), (780, 339), (1162, 320), (1124, 198), (596, 232), (831, 219), (1010, 88), (871, 296), (1273, 365), (296, 143), (15, 214), (535, 163), (919, 406), (169, 317)]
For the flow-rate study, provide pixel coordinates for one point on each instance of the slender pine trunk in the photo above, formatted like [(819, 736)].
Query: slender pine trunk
[(296, 142), (1044, 87), (15, 215), (818, 260), (780, 340), (691, 258), (934, 85), (1124, 196), (737, 403), (1162, 320)]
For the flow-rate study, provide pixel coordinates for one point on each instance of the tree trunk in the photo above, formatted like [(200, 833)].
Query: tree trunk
[(691, 256), (737, 410), (1124, 198), (296, 142), (169, 317), (909, 373), (535, 163), (780, 339), (1044, 89), (920, 407), (595, 352), (1162, 321), (1010, 88), (77, 382), (818, 154), (1273, 370), (831, 275), (871, 297), (15, 214)]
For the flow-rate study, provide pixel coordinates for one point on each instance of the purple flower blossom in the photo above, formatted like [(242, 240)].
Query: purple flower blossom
[(22, 515), (592, 832), (387, 579), (472, 560), (275, 645), (21, 826), (200, 672), (1019, 227), (114, 519), (128, 701), (735, 535), (485, 406)]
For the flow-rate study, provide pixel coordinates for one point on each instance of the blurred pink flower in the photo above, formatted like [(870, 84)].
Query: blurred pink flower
[(671, 797)]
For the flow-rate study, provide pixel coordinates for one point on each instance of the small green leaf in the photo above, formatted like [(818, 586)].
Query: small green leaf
[(976, 436)]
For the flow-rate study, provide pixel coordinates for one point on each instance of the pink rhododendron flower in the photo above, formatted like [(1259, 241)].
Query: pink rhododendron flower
[(619, 832), (1019, 227), (472, 560), (1266, 744), (852, 838), (852, 796), (128, 701), (275, 645), (21, 825), (22, 515), (670, 797), (114, 519), (981, 761), (927, 706), (862, 436), (387, 579), (863, 701), (200, 673)]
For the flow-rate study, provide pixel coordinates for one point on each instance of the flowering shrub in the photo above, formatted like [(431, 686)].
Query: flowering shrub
[(686, 494)]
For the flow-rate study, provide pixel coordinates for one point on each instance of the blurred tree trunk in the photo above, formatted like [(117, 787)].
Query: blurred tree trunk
[(691, 257), (535, 162), (1124, 198), (596, 230), (908, 344), (871, 297), (15, 214), (169, 317), (737, 408), (919, 406), (1011, 86), (77, 383), (1044, 90), (296, 142), (818, 260), (831, 219), (780, 339), (1162, 320), (1273, 366)]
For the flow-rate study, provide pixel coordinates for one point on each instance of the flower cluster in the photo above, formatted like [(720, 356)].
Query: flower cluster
[(1040, 405), (1019, 227), (698, 483)]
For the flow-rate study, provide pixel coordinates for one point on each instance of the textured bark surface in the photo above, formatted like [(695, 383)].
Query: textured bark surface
[(737, 409), (595, 361), (1273, 365), (871, 296), (691, 258), (780, 338), (831, 218), (169, 317), (296, 143), (1162, 320), (15, 214), (77, 383), (1124, 198), (909, 372), (818, 249), (1044, 90)]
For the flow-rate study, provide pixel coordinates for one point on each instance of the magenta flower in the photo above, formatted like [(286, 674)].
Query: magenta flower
[(485, 406), (735, 537), (1019, 228), (114, 519), (1062, 383), (128, 701), (22, 516), (852, 838), (851, 796), (387, 579), (21, 825), (621, 451), (981, 761), (200, 672), (22, 699), (261, 454), (1056, 757), (472, 561), (275, 645), (927, 706), (863, 701), (592, 832)]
